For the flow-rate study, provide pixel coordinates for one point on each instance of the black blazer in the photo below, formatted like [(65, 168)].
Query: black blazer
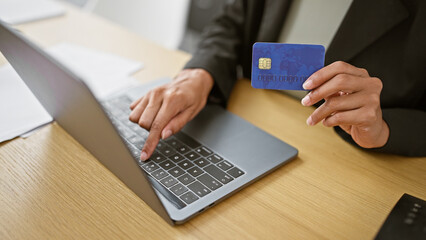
[(386, 37)]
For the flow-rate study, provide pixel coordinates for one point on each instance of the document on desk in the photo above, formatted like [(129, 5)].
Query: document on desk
[(21, 11), (104, 73), (19, 109)]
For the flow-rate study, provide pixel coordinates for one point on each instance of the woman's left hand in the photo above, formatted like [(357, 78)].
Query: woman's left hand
[(352, 102)]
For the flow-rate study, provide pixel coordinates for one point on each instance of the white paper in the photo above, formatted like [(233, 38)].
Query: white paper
[(21, 11), (104, 73), (90, 63), (19, 109)]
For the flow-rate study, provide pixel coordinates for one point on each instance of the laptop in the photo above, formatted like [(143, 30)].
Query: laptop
[(212, 157)]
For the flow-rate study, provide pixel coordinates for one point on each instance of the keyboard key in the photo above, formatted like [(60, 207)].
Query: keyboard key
[(107, 105), (126, 100), (133, 139), (169, 181), (201, 162), (115, 121), (115, 112), (176, 172), (167, 165), (144, 134), (157, 157), (167, 151), (149, 167), (218, 174), (195, 171), (224, 165), (192, 155), (235, 172), (187, 140), (127, 111), (167, 193), (128, 123), (121, 101), (186, 179), (123, 118), (129, 145), (136, 153), (139, 131), (185, 164), (199, 189), (204, 151), (109, 114), (159, 174), (174, 143), (135, 127), (183, 149), (215, 158), (189, 197), (124, 131), (176, 157), (210, 182), (178, 189), (160, 146), (139, 143)]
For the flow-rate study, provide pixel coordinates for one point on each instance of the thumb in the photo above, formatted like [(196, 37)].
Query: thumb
[(346, 128)]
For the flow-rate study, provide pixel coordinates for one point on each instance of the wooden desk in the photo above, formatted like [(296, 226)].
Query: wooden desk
[(52, 188)]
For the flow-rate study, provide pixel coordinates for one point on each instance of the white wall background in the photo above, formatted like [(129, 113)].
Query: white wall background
[(162, 21)]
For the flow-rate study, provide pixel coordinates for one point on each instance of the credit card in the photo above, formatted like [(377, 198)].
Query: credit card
[(284, 66)]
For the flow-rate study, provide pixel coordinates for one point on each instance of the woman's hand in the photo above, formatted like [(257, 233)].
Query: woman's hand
[(164, 110), (352, 102)]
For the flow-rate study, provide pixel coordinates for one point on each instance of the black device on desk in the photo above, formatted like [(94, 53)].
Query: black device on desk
[(407, 220)]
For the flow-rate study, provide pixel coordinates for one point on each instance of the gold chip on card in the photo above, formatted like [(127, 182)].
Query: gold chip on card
[(264, 63)]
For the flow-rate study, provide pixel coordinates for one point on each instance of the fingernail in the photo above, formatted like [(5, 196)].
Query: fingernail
[(305, 100), (307, 84), (144, 156), (165, 134), (309, 121)]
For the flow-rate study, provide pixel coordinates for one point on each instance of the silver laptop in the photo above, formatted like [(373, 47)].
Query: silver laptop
[(214, 156)]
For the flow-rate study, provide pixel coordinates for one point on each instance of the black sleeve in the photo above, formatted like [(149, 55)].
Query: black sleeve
[(407, 132), (218, 52)]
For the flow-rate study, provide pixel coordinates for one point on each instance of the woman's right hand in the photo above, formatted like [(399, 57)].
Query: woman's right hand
[(164, 110)]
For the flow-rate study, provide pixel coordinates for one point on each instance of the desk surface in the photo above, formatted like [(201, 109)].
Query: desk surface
[(51, 187)]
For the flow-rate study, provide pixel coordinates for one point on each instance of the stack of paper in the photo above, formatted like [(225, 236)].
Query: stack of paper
[(21, 11), (21, 112)]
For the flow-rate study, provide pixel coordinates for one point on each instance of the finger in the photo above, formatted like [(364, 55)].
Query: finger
[(346, 128), (352, 117), (136, 102), (333, 95), (138, 110), (151, 110), (163, 117), (328, 72), (335, 104), (177, 123), (341, 82)]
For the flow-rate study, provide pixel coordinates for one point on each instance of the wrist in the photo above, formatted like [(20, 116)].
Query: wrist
[(198, 75), (384, 135)]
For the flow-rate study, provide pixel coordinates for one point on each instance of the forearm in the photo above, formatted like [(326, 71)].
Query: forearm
[(218, 50)]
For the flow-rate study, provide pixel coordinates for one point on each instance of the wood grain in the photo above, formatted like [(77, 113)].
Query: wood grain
[(52, 188)]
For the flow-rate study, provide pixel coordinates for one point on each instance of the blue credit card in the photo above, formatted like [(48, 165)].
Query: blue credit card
[(284, 66)]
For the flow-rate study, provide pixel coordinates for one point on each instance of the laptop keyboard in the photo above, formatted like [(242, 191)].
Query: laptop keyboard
[(181, 168)]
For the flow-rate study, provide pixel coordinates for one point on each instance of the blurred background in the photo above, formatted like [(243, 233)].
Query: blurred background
[(174, 24)]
